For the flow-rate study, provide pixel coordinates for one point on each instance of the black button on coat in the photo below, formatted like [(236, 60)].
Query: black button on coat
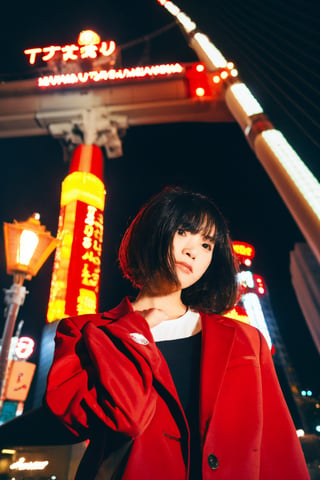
[(213, 462)]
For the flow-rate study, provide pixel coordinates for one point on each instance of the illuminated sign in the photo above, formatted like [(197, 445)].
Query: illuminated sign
[(89, 47), (198, 81), (246, 279), (253, 308), (249, 281), (259, 284), (110, 75), (19, 380), (244, 252), (77, 264), (238, 313), (24, 348), (85, 260), (22, 465)]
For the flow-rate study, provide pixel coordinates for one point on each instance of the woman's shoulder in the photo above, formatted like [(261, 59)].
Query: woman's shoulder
[(100, 318), (245, 336), (228, 321)]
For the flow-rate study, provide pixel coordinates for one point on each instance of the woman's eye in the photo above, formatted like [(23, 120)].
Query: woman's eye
[(180, 231), (207, 246)]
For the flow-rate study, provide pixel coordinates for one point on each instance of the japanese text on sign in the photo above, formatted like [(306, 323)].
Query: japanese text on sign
[(89, 47)]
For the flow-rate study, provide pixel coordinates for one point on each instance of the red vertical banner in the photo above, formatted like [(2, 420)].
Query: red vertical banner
[(76, 271), (85, 260)]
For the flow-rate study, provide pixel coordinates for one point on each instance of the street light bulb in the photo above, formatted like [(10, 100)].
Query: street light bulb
[(28, 243)]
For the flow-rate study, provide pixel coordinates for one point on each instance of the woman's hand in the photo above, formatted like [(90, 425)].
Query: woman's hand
[(153, 316)]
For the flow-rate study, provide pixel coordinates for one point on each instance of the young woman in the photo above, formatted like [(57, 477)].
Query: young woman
[(163, 386)]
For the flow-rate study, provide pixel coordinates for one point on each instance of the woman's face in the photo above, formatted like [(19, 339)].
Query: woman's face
[(192, 255)]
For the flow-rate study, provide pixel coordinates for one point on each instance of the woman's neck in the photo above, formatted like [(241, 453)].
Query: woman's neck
[(171, 303)]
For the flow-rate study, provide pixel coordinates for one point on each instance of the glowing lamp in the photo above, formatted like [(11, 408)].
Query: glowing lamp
[(200, 92), (27, 246), (200, 67), (259, 284), (88, 37)]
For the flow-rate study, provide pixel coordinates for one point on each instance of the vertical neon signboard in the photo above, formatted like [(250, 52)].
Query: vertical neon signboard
[(77, 266)]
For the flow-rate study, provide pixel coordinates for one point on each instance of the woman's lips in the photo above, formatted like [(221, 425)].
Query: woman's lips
[(185, 267)]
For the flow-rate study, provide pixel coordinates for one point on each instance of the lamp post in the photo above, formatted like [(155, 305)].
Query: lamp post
[(27, 247)]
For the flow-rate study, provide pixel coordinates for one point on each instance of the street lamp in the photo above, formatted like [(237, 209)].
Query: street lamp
[(27, 247)]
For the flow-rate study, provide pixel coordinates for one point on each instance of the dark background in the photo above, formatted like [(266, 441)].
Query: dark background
[(275, 46)]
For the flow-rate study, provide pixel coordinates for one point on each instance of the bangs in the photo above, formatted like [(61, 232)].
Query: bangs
[(195, 221)]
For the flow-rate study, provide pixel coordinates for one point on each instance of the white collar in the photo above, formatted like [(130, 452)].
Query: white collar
[(185, 326)]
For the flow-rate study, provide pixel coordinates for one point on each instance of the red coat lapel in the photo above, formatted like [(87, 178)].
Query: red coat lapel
[(217, 344), (136, 323), (217, 341)]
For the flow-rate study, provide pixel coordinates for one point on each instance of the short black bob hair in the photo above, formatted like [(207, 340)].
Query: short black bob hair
[(146, 249)]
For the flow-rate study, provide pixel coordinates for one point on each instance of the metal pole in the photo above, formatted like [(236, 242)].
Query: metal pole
[(14, 298)]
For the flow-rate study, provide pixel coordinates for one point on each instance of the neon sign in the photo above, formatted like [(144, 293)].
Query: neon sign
[(86, 267), (21, 465), (238, 313), (259, 283), (24, 348), (89, 47), (244, 252), (110, 75), (77, 264)]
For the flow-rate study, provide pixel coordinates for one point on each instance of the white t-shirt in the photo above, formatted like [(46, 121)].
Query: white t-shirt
[(185, 326)]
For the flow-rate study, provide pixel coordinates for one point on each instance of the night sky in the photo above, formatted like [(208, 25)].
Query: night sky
[(276, 50)]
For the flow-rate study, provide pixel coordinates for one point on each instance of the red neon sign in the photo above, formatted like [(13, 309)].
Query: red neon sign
[(110, 75), (243, 250), (259, 284), (198, 81), (89, 47), (85, 260)]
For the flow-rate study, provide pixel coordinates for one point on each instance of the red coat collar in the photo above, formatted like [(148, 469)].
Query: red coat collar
[(120, 310), (217, 339)]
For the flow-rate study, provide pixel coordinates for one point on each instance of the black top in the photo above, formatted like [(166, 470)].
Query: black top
[(183, 358)]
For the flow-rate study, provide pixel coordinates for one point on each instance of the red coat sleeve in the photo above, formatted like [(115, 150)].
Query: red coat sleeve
[(96, 374), (281, 448)]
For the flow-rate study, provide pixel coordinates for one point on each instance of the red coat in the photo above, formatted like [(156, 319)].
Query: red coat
[(105, 380)]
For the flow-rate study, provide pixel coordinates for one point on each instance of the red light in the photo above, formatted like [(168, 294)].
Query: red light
[(200, 92), (259, 283), (198, 81), (200, 67)]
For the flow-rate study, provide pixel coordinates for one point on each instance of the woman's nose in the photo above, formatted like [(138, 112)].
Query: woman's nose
[(190, 252)]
